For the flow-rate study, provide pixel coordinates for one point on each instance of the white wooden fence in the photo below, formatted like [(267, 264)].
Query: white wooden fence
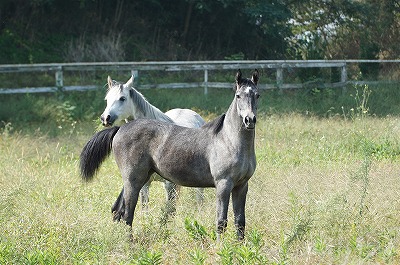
[(137, 67)]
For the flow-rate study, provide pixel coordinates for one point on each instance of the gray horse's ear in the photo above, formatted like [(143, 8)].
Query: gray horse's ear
[(129, 83), (109, 81), (255, 76), (238, 77)]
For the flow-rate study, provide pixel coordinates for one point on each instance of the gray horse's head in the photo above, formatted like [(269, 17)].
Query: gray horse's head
[(119, 102), (247, 98)]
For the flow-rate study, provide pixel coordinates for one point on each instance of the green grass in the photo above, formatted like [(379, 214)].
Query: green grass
[(325, 190)]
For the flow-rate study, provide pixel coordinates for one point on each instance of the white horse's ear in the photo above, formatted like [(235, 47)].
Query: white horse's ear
[(129, 83), (109, 81)]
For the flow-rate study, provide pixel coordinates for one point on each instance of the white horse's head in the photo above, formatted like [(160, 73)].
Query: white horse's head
[(119, 102), (246, 96)]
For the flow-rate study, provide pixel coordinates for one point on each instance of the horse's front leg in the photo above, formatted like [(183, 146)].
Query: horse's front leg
[(238, 202), (224, 188)]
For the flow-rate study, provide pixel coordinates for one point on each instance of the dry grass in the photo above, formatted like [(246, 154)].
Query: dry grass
[(326, 191)]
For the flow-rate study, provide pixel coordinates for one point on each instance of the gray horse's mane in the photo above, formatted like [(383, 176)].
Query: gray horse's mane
[(216, 124)]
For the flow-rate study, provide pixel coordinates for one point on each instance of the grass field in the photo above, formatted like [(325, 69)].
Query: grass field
[(326, 191)]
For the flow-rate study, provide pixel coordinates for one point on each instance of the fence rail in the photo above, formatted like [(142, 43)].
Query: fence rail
[(136, 68)]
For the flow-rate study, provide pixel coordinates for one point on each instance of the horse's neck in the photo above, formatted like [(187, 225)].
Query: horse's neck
[(143, 109), (234, 129), (232, 119)]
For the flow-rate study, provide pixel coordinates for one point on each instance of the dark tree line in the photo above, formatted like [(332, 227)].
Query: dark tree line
[(110, 30)]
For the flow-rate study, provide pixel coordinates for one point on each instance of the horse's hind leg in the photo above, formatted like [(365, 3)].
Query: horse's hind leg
[(144, 195), (200, 195), (172, 195), (131, 196), (133, 183), (238, 202), (118, 209)]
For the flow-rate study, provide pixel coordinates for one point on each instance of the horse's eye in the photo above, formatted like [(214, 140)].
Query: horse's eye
[(122, 99), (237, 96)]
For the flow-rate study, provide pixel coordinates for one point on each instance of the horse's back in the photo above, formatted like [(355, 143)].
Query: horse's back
[(186, 118)]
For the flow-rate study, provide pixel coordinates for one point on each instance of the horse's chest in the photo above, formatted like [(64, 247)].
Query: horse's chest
[(238, 164)]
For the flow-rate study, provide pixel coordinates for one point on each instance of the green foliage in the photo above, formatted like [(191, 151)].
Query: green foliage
[(6, 130), (7, 253), (64, 117), (13, 53), (301, 221), (41, 257), (195, 230), (248, 252), (149, 258), (43, 31), (361, 101), (198, 257)]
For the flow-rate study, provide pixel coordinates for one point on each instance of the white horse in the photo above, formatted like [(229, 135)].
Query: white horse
[(125, 103)]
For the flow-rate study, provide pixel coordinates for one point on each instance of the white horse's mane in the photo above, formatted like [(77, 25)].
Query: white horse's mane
[(148, 110), (141, 103)]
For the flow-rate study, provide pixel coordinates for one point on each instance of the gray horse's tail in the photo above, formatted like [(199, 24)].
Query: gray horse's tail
[(96, 151)]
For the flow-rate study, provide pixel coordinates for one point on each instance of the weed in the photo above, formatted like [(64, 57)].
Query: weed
[(226, 254), (283, 251), (195, 230), (320, 244), (248, 252), (65, 118), (197, 256), (6, 130), (361, 99), (301, 220), (149, 258), (40, 257)]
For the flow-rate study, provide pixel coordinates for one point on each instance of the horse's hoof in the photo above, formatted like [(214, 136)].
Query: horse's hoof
[(117, 216)]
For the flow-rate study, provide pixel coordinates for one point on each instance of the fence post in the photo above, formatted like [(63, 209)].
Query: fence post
[(343, 77), (205, 81), (279, 78), (59, 78)]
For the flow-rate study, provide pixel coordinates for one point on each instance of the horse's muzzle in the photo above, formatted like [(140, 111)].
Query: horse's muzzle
[(250, 122), (107, 121)]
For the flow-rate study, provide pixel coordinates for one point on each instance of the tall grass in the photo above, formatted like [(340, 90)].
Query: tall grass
[(325, 191)]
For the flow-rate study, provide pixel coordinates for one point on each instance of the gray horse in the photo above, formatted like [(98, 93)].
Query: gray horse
[(219, 154)]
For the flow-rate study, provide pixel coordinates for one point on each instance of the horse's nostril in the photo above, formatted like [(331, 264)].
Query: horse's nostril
[(248, 120), (108, 118)]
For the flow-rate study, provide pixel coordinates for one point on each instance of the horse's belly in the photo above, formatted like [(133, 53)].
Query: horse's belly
[(184, 171)]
